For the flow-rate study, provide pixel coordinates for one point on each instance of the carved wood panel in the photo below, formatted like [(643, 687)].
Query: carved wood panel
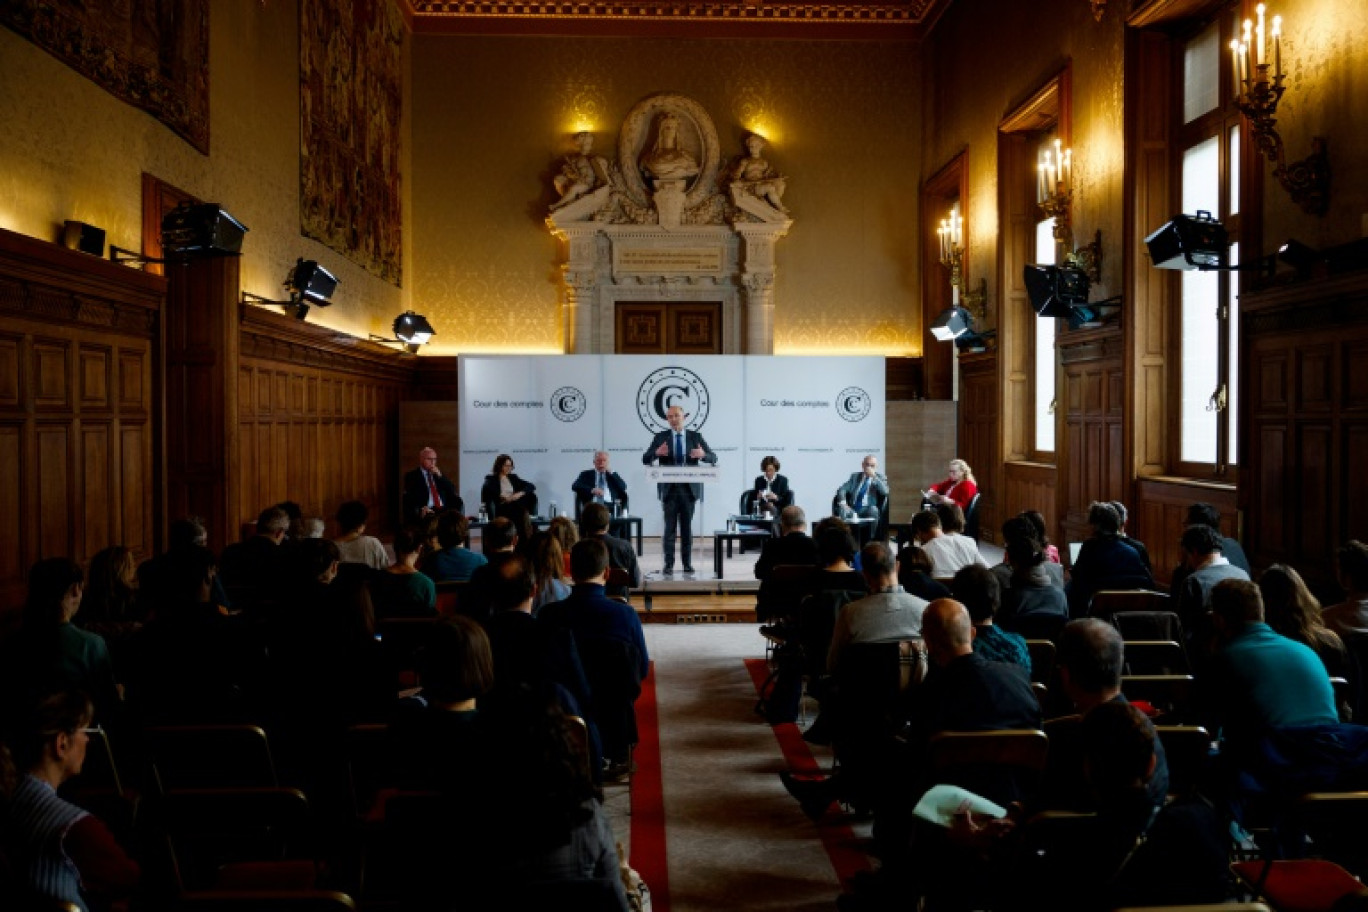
[(979, 436), (77, 337), (683, 328), (1092, 460)]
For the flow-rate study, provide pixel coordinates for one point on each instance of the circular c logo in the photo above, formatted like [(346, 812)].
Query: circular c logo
[(853, 404), (668, 387), (568, 403)]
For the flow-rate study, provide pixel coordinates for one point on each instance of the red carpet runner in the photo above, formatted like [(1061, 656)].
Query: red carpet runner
[(837, 837), (648, 800)]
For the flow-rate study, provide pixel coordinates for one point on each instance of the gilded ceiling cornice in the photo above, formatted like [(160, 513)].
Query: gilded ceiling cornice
[(907, 20)]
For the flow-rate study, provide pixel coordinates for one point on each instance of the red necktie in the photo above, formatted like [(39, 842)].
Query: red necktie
[(432, 487)]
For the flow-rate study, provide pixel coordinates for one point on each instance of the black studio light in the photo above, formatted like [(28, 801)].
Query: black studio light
[(958, 324), (201, 228), (310, 282), (1189, 242), (1062, 291), (413, 330)]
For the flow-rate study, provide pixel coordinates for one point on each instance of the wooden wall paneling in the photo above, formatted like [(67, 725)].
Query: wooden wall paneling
[(1093, 459), (1161, 507), (1031, 486), (77, 335), (1352, 481), (980, 434), (1313, 514)]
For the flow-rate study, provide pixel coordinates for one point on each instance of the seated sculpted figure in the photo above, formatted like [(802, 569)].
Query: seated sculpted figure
[(580, 172), (667, 161), (752, 174)]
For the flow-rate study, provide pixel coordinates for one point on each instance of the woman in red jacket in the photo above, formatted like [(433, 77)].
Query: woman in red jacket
[(959, 488)]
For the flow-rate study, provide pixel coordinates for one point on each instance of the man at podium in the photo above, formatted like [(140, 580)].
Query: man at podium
[(676, 447)]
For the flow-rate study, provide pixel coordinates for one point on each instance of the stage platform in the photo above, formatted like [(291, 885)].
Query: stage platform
[(705, 599)]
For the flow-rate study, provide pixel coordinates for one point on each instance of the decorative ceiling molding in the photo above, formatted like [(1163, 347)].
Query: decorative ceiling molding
[(905, 20)]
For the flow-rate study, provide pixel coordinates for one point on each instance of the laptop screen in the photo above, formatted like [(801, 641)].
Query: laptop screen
[(1073, 552)]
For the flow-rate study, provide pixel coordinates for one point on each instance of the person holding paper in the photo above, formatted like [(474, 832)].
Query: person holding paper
[(865, 492), (674, 447)]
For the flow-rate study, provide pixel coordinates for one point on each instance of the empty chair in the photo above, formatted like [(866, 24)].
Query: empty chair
[(1155, 657), (1042, 654), (1107, 602), (1333, 821), (1148, 625), (210, 756)]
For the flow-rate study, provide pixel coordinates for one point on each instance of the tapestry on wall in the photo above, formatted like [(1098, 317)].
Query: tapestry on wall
[(350, 101), (152, 55)]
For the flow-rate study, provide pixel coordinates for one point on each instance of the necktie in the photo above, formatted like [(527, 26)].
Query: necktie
[(679, 449), (432, 489), (602, 486), (860, 495)]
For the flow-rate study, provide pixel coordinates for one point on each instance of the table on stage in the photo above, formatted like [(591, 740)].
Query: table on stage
[(734, 535)]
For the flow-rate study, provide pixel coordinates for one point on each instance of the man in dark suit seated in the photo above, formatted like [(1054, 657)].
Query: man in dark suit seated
[(427, 490), (865, 496), (793, 547), (600, 485), (594, 523), (255, 565)]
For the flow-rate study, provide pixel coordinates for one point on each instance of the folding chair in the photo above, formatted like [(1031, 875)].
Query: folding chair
[(992, 763), (210, 756), (1155, 657), (1106, 602), (1148, 625), (1333, 825), (1187, 749), (1042, 654), (99, 789), (449, 596), (240, 838), (1170, 695)]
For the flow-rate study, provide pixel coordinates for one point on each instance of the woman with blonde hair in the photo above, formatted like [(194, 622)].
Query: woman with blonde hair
[(959, 487), (1291, 610)]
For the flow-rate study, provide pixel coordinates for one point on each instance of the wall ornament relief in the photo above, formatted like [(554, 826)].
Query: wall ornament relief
[(668, 220)]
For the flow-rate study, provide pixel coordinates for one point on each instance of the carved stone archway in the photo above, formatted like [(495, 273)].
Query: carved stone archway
[(667, 222)]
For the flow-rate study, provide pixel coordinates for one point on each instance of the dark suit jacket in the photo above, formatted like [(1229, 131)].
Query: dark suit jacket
[(621, 555), (416, 494), (489, 491), (877, 493), (584, 487), (692, 439), (779, 486), (1104, 562), (794, 548)]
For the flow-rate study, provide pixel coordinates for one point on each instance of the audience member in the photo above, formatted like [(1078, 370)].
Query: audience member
[(1104, 562), (255, 565), (1037, 521), (295, 514), (454, 560), (500, 543), (914, 573), (403, 590), (793, 547), (1350, 617), (109, 605), (887, 614), (948, 552), (976, 588), (1206, 566), (563, 529), (355, 546), (1019, 527), (1122, 515), (837, 556), (1291, 610), (50, 654), (1204, 514), (548, 566), (59, 855), (594, 521), (1033, 605)]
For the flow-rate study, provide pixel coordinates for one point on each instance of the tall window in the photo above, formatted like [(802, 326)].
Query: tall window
[(1044, 353), (1209, 178)]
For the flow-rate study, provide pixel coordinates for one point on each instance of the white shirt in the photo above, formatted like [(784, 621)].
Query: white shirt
[(950, 552)]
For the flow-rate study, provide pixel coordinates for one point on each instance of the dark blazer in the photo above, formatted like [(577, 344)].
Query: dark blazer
[(489, 491), (794, 548), (877, 493), (779, 486), (416, 494), (1104, 562), (621, 555), (692, 439), (584, 487)]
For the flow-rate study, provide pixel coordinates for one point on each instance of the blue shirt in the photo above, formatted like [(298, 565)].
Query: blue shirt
[(997, 645), (1268, 681), (453, 564)]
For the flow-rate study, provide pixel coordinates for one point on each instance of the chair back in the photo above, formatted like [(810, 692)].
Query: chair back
[(784, 591), (1334, 822), (971, 517), (1170, 694), (1187, 748), (579, 736), (1155, 657), (210, 757), (208, 829), (1042, 654), (1148, 625), (449, 596), (1037, 626), (612, 668), (370, 764), (619, 579), (1003, 765), (1106, 602)]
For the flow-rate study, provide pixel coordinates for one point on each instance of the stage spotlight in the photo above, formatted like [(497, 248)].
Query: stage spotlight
[(1054, 290), (952, 323), (203, 228), (308, 281), (413, 330), (1189, 242), (1299, 256)]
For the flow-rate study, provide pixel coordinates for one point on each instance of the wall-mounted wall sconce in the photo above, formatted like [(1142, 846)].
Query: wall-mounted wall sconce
[(411, 332), (308, 283), (1088, 258), (1259, 87), (951, 236), (1054, 191)]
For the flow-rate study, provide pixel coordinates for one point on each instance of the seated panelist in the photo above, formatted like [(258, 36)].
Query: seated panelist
[(600, 485), (958, 488), (505, 494), (772, 489), (865, 492)]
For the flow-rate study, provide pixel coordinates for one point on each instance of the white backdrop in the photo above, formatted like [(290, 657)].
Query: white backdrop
[(817, 416)]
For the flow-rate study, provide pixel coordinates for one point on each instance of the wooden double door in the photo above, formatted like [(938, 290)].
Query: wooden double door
[(663, 328)]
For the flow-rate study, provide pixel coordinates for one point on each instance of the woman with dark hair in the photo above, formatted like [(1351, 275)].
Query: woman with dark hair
[(1291, 610), (58, 852), (914, 574), (565, 533), (771, 490), (505, 494), (50, 654), (548, 570), (1032, 599), (109, 606), (355, 546), (836, 556), (1037, 521)]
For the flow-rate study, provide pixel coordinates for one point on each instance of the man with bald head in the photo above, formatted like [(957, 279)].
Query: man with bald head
[(427, 490), (600, 485)]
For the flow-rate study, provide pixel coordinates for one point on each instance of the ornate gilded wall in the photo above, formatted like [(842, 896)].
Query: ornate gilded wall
[(69, 150), (492, 116)]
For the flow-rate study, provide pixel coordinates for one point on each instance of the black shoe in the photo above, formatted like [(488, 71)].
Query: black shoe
[(814, 795), (667, 572), (689, 574)]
